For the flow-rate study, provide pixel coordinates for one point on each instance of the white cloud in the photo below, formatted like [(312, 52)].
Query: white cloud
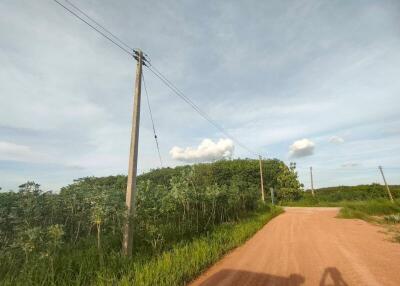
[(15, 152), (301, 148), (336, 139), (205, 152)]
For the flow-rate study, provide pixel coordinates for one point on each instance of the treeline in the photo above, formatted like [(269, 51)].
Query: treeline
[(49, 238), (353, 193)]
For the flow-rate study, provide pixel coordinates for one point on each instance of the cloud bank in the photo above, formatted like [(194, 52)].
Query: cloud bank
[(207, 151), (301, 148)]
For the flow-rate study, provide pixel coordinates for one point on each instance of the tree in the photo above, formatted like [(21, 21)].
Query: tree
[(289, 187)]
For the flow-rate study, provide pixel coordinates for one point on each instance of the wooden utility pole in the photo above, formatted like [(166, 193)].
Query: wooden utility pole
[(133, 158), (387, 187), (261, 179), (312, 182)]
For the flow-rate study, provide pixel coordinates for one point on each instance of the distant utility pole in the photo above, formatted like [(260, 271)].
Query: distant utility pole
[(261, 179), (312, 182), (272, 195), (133, 158), (387, 187)]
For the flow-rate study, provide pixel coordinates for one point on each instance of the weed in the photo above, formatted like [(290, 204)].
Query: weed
[(393, 218)]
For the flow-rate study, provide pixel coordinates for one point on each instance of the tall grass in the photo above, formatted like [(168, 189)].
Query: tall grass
[(366, 209)]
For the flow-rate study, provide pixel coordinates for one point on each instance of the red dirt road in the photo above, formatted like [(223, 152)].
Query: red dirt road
[(309, 246)]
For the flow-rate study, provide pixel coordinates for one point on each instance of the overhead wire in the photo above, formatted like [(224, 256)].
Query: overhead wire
[(152, 120), (99, 25), (95, 29), (132, 52), (179, 93)]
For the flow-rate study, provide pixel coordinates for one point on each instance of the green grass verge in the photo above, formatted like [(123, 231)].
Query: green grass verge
[(312, 203), (369, 207), (185, 262), (366, 209)]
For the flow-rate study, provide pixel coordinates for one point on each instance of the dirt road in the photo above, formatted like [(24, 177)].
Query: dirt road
[(309, 246)]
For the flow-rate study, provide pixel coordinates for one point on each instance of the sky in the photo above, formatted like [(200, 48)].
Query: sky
[(311, 82)]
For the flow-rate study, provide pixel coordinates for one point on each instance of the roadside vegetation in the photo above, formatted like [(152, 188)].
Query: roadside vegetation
[(187, 217), (371, 209), (338, 196)]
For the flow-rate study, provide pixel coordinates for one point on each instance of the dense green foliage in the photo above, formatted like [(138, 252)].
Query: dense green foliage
[(276, 175), (74, 237)]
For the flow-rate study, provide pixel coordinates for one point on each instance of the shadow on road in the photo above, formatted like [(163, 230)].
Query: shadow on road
[(242, 278), (230, 277), (334, 275)]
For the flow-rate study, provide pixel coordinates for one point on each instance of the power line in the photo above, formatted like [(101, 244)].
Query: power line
[(196, 108), (127, 49), (94, 28), (152, 121), (98, 24), (179, 93)]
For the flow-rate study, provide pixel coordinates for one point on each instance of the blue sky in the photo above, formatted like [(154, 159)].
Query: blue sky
[(324, 74)]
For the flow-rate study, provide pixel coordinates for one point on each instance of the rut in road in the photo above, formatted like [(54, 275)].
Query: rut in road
[(310, 246)]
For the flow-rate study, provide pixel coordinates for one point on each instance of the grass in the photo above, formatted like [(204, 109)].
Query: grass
[(312, 203), (393, 218), (366, 209), (185, 262)]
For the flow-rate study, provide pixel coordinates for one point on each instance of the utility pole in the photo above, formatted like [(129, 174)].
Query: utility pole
[(272, 195), (387, 187), (261, 179), (133, 158), (312, 182)]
